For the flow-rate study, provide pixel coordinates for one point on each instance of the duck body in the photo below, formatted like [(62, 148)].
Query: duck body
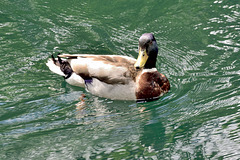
[(112, 76)]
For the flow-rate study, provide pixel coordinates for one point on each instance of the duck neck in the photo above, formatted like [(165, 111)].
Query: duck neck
[(151, 62)]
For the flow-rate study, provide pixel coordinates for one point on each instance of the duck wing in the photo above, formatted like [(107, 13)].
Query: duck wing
[(111, 69)]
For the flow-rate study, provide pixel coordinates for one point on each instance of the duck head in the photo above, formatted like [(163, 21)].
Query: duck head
[(148, 51)]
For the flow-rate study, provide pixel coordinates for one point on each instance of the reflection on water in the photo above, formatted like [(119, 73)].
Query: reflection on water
[(42, 117)]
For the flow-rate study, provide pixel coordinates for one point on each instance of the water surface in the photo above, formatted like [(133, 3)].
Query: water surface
[(198, 52)]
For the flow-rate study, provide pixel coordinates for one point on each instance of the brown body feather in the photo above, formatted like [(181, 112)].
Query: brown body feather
[(152, 85)]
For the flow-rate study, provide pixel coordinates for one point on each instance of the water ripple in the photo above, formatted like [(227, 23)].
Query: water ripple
[(198, 52)]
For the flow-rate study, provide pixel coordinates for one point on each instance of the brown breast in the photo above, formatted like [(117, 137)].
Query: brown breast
[(152, 85)]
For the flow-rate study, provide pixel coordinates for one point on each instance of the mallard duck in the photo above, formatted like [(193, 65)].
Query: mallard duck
[(115, 76)]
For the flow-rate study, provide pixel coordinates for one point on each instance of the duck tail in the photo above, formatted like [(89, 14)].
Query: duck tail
[(59, 66)]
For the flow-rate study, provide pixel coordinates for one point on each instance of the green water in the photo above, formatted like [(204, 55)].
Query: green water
[(198, 52)]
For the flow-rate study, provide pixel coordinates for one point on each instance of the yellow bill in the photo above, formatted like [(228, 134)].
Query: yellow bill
[(142, 59)]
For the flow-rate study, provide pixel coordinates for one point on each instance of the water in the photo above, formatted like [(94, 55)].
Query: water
[(199, 53)]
